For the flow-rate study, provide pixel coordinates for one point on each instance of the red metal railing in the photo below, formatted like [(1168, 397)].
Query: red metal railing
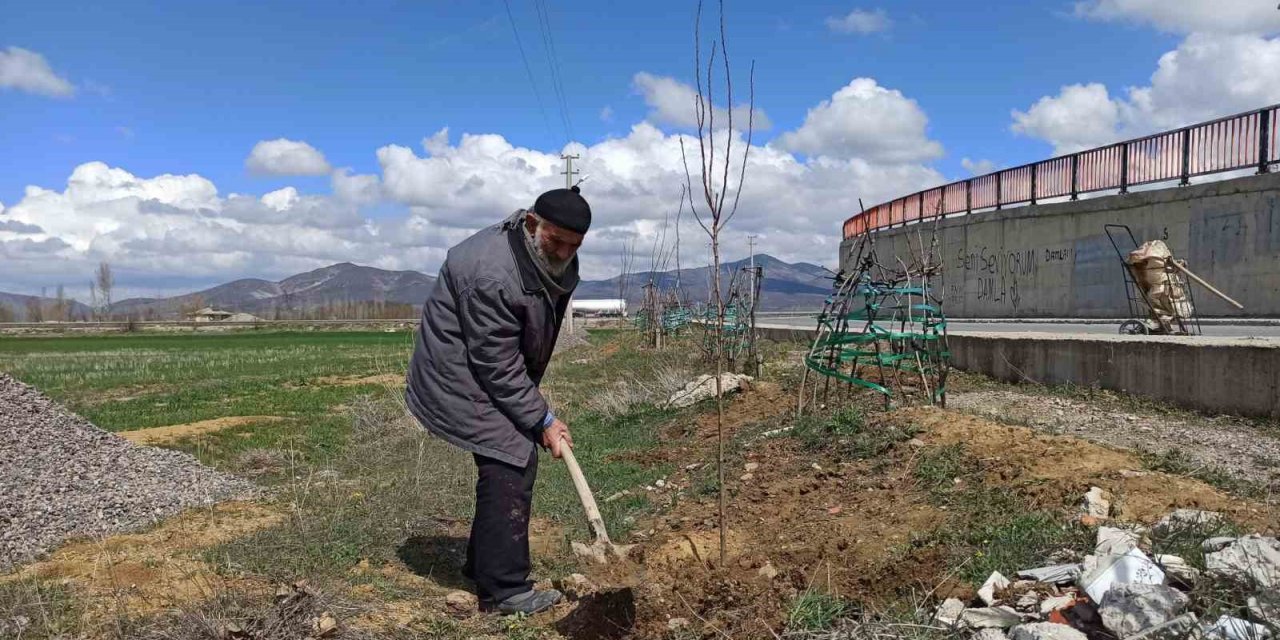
[(1242, 141)]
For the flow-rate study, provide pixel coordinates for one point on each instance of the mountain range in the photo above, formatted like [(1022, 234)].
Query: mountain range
[(785, 286)]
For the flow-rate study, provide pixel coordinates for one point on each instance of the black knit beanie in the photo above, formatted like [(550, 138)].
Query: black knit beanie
[(565, 208)]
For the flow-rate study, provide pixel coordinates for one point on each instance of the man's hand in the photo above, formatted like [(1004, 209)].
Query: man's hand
[(555, 436)]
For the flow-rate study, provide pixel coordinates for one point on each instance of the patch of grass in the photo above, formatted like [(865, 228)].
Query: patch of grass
[(597, 440), (38, 609), (990, 529), (848, 432), (1176, 462), (1184, 540), (815, 611), (938, 468), (386, 486)]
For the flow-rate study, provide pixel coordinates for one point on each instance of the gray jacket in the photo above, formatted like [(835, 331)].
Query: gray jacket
[(487, 333)]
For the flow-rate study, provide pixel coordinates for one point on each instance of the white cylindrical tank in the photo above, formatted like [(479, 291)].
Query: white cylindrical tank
[(608, 307)]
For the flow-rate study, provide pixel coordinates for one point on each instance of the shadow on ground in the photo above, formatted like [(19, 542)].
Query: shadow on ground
[(608, 615), (438, 558)]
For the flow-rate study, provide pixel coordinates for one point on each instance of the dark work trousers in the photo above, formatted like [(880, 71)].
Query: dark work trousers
[(498, 551)]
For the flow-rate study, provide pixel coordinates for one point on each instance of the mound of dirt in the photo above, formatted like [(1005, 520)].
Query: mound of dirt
[(1056, 470), (63, 477), (800, 520)]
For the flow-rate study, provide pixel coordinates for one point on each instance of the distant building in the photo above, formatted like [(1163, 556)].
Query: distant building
[(209, 314)]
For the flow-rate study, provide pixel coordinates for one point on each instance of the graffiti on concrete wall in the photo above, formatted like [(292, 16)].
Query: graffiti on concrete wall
[(999, 274)]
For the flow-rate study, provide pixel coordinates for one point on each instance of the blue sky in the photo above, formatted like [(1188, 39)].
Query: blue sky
[(197, 84), (189, 89)]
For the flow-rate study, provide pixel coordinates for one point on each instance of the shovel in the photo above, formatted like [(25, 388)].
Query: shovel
[(602, 549)]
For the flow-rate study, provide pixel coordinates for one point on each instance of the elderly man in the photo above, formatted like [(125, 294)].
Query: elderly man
[(488, 328)]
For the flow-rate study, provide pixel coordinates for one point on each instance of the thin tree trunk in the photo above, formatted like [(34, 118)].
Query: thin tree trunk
[(719, 342)]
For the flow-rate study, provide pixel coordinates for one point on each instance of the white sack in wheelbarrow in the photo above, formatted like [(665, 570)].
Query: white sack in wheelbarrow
[(1150, 267)]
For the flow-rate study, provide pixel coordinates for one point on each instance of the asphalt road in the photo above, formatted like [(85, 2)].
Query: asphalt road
[(1263, 329)]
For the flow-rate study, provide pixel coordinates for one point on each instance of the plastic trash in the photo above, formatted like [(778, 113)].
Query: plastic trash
[(1133, 566)]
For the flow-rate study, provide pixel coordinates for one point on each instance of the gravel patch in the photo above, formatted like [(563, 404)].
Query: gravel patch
[(1233, 445), (62, 477)]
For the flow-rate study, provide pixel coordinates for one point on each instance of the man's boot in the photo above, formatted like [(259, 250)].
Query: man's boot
[(530, 602)]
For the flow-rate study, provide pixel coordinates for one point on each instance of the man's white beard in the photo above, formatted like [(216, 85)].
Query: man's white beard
[(554, 267)]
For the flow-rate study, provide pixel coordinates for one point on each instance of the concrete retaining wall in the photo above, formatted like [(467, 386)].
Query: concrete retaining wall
[(1225, 375), (1054, 260), (1214, 375)]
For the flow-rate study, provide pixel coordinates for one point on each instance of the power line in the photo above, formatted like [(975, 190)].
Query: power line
[(553, 61), (527, 69)]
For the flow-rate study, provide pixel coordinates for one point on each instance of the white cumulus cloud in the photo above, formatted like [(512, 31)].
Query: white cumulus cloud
[(1207, 76), (860, 21), (28, 71), (1079, 117), (864, 120), (676, 103), (424, 200), (1187, 16), (282, 157)]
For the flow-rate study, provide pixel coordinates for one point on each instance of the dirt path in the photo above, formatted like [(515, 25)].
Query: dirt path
[(1232, 444), (154, 570), (173, 433)]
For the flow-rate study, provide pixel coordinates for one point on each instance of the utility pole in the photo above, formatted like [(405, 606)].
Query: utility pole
[(751, 247), (568, 183), (568, 169)]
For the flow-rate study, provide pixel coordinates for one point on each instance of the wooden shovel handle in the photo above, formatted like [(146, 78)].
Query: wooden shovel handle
[(584, 493)]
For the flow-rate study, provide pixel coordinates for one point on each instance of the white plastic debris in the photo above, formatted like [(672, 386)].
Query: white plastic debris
[(996, 582), (990, 618), (1252, 558), (1029, 601), (1229, 628), (705, 387), (1056, 574), (1101, 572), (1049, 605), (1178, 569), (1128, 609)]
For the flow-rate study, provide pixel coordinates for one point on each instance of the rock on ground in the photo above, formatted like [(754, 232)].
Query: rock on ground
[(705, 387), (1183, 627), (1097, 503), (1266, 607), (949, 611), (1045, 631), (1185, 519), (1252, 558), (1001, 617), (990, 634), (1128, 609), (63, 477), (461, 602)]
